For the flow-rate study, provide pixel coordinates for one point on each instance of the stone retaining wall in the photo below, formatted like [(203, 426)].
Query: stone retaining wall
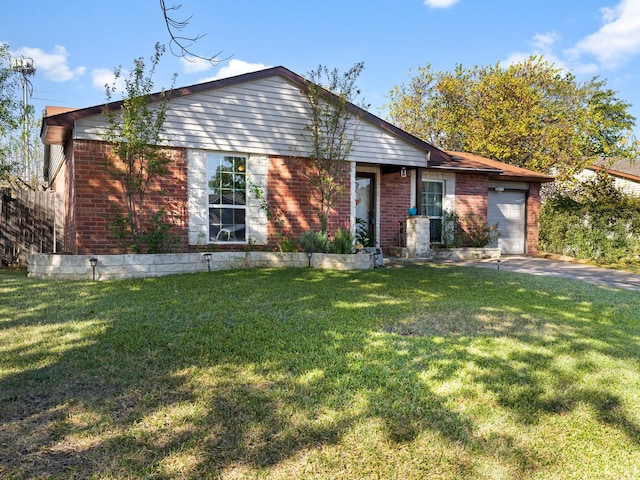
[(108, 267)]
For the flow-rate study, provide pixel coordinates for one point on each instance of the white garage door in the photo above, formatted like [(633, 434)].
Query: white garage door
[(507, 209)]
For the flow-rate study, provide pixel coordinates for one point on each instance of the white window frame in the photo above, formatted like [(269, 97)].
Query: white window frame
[(226, 234)]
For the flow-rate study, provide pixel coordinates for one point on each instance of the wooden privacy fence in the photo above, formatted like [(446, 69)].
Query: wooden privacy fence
[(29, 223)]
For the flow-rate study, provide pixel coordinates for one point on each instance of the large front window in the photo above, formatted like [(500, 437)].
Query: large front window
[(227, 197), (432, 193)]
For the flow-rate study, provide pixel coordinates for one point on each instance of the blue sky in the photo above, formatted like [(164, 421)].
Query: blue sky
[(77, 43)]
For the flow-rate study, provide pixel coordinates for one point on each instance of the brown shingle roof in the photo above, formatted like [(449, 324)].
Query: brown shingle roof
[(619, 167), (462, 161)]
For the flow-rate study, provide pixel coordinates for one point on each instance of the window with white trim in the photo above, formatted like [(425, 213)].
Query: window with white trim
[(227, 197), (432, 196)]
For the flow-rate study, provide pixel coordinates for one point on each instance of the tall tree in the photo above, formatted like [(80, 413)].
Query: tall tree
[(137, 157), (20, 147), (332, 132), (530, 114), (9, 116)]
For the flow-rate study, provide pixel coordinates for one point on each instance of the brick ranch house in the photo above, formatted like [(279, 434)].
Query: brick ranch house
[(253, 127)]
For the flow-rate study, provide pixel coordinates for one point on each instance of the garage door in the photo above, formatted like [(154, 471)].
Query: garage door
[(507, 209)]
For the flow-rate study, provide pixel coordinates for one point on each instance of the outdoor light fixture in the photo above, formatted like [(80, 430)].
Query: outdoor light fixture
[(498, 262), (94, 262), (403, 172), (207, 257), (309, 254)]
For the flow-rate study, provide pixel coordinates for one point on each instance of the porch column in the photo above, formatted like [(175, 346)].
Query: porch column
[(418, 237)]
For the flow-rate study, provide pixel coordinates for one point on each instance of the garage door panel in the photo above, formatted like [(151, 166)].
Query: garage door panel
[(507, 209)]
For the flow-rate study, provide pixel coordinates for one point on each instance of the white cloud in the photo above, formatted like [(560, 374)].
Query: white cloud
[(100, 77), (195, 65), (617, 41), (440, 3), (236, 67), (54, 65), (544, 41), (543, 45)]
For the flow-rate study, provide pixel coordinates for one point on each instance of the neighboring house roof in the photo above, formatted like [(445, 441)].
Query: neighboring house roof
[(461, 161), (626, 168), (59, 123)]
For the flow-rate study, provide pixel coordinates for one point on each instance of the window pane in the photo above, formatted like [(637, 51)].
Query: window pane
[(432, 198), (227, 196), (435, 230), (227, 224)]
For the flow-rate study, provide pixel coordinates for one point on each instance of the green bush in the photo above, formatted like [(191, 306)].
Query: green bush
[(155, 238), (342, 241), (363, 236), (470, 231), (478, 232), (593, 221), (287, 244), (314, 242)]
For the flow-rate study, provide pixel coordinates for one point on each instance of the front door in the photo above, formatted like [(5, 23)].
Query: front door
[(366, 209)]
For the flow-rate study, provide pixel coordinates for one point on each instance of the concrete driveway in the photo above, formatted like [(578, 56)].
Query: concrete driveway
[(561, 269)]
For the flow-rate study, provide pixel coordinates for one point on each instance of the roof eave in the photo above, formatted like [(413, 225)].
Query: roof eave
[(615, 173), (523, 178), (489, 171)]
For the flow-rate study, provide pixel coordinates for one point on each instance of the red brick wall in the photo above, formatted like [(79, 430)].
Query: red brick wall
[(290, 194), (98, 198), (533, 211), (395, 200), (471, 195), (472, 200)]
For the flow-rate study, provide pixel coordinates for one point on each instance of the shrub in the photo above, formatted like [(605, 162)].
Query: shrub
[(314, 242), (470, 231), (287, 244), (342, 241), (363, 236), (593, 221), (478, 232)]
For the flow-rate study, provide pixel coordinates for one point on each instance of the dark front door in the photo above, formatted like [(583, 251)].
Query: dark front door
[(366, 209)]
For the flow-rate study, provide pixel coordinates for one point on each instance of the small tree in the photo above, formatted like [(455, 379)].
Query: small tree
[(332, 130), (137, 157)]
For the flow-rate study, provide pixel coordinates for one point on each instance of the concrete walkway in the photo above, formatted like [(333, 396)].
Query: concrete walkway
[(561, 269)]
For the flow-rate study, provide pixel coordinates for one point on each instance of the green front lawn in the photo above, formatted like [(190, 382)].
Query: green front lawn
[(423, 372)]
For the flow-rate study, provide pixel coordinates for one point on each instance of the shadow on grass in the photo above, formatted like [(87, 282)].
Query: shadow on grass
[(191, 376)]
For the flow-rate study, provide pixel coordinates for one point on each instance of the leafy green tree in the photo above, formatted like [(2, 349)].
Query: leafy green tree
[(137, 157), (9, 116), (530, 114), (20, 147), (332, 127)]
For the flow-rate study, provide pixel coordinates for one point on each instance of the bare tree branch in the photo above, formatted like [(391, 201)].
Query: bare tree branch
[(180, 46)]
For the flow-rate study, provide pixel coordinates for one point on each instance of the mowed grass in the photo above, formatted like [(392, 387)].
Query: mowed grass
[(435, 371)]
